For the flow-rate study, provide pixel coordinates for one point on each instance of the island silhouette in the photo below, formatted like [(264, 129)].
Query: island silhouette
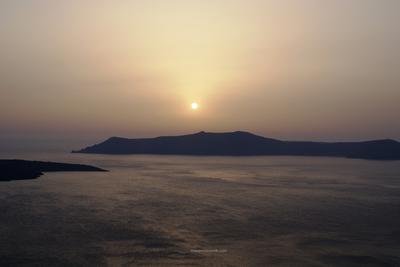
[(241, 143), (12, 169)]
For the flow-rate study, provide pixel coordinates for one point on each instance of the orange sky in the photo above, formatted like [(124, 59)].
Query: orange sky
[(299, 69)]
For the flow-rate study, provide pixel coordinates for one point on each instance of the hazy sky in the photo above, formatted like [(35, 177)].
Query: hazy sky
[(291, 69)]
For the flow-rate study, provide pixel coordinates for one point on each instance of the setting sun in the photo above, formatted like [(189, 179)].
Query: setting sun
[(195, 106)]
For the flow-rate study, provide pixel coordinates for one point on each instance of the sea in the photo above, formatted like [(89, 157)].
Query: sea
[(151, 210)]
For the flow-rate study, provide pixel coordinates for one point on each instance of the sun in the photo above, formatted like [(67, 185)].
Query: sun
[(195, 106)]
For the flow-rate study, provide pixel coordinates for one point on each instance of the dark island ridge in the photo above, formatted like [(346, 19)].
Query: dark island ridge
[(23, 170), (244, 144)]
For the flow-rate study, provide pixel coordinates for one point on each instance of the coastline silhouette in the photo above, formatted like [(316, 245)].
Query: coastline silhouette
[(24, 170)]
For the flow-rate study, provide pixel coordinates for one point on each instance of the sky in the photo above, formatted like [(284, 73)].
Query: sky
[(289, 69)]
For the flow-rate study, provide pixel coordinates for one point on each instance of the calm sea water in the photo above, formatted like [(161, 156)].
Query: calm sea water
[(203, 211)]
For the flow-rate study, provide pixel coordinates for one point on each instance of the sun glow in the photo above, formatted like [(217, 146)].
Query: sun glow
[(195, 106)]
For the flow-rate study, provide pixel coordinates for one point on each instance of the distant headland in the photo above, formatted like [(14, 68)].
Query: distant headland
[(244, 144), (23, 170)]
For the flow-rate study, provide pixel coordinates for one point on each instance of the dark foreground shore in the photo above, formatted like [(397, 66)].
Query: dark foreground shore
[(23, 170)]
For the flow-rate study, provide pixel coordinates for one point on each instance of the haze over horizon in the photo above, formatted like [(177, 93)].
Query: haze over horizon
[(294, 70)]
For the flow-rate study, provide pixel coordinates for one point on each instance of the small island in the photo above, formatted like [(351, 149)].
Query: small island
[(23, 170)]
